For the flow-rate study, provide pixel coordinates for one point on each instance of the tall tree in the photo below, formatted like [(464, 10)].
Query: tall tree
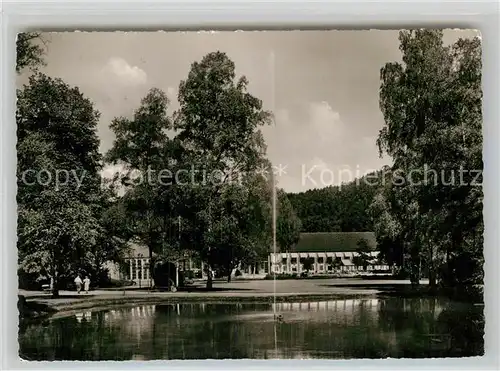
[(218, 125), (432, 109), (57, 140), (142, 147)]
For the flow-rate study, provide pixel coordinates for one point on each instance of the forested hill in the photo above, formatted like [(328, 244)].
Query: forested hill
[(342, 208)]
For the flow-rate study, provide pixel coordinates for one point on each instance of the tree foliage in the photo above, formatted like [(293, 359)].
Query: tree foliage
[(288, 224), (363, 258), (29, 51), (212, 203), (63, 124), (240, 225), (142, 147), (307, 264), (218, 126), (432, 109), (57, 223), (54, 241)]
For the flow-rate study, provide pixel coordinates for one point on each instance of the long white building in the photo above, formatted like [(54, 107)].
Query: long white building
[(326, 253)]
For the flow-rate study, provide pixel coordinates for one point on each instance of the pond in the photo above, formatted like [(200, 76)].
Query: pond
[(337, 329)]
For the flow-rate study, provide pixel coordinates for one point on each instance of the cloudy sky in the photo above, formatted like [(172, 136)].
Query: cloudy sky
[(321, 85)]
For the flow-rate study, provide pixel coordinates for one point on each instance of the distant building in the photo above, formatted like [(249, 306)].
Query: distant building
[(329, 252), (135, 266)]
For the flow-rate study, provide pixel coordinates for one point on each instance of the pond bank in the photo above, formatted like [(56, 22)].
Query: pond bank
[(38, 303), (62, 304)]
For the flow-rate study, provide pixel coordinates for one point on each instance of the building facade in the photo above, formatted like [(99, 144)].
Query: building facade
[(327, 253), (135, 267), (321, 262)]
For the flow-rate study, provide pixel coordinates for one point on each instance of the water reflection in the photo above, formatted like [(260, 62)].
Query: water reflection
[(84, 316), (358, 328)]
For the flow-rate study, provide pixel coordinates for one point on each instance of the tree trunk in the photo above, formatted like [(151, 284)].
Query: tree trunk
[(151, 267), (54, 270), (54, 278), (55, 286), (414, 266), (55, 292), (209, 282), (414, 274), (448, 267), (431, 268), (209, 278), (229, 271), (432, 277), (414, 280)]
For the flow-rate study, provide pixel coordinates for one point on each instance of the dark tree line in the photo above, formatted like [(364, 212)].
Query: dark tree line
[(337, 208)]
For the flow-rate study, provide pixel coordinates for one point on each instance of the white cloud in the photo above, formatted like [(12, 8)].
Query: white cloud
[(124, 73), (318, 148), (325, 122)]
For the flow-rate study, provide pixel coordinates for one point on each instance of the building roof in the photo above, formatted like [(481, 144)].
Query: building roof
[(308, 242), (333, 241)]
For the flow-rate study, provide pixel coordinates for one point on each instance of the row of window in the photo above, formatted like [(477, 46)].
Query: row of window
[(320, 260), (328, 268)]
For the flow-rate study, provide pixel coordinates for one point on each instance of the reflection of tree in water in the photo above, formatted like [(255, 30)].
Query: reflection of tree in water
[(67, 338), (431, 327), (208, 331), (466, 330), (336, 329)]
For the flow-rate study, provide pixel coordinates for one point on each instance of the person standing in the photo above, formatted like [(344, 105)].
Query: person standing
[(78, 283), (86, 284)]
